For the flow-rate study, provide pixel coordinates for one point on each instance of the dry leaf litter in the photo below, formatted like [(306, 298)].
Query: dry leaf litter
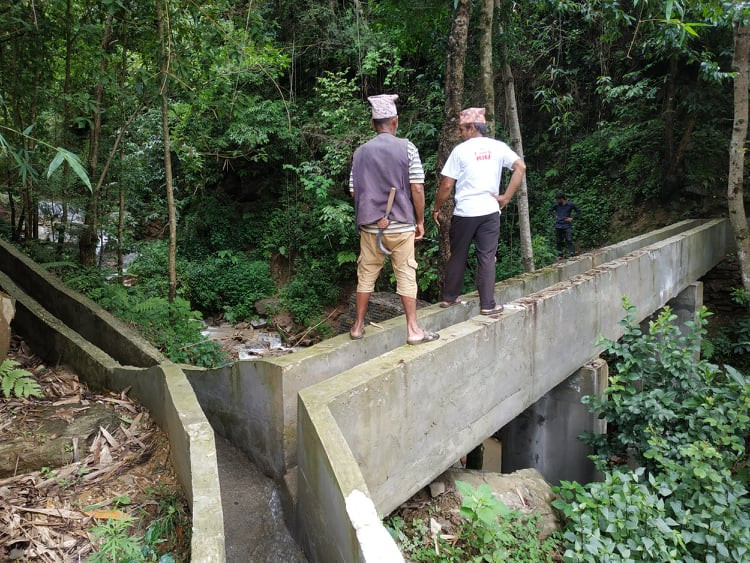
[(47, 514)]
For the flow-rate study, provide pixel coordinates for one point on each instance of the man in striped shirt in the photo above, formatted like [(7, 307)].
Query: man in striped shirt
[(382, 163)]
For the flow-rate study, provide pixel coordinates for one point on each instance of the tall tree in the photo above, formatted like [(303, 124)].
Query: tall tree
[(511, 109), (516, 141), (66, 111), (162, 22), (454, 95), (486, 70), (88, 238), (737, 148)]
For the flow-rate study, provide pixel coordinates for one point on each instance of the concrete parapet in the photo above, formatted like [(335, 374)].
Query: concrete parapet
[(91, 321), (365, 429), (162, 389), (332, 490), (253, 403)]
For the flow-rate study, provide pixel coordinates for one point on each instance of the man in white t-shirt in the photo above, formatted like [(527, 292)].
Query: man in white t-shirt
[(475, 167)]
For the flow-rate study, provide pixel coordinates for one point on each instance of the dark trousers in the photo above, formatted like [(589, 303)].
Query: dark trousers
[(484, 231), (565, 238)]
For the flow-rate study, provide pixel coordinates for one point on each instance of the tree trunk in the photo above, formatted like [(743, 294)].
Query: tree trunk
[(88, 240), (121, 184), (31, 199), (735, 191), (454, 93), (62, 228), (527, 251), (12, 209), (167, 154), (486, 18)]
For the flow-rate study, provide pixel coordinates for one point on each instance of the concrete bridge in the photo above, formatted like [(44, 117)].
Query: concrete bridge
[(354, 428)]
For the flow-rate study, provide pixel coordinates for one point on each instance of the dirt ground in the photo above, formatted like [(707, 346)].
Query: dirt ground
[(119, 471)]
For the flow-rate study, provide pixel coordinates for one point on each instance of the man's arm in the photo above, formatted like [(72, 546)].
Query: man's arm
[(417, 198), (445, 189), (519, 169)]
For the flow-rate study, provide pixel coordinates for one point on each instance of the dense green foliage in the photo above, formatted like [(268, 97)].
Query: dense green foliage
[(684, 425), (731, 343), (175, 329), (624, 106)]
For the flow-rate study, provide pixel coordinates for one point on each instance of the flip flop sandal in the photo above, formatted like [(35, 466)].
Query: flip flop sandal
[(446, 304), (428, 337), (489, 312), (357, 337)]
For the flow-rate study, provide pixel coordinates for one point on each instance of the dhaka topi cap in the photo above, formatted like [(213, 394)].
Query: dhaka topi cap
[(383, 106), (472, 115)]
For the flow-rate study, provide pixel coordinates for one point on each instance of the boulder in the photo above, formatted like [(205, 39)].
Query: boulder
[(524, 490), (7, 311)]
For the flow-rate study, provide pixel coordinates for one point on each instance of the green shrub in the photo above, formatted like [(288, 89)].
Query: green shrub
[(210, 225), (309, 292), (175, 330), (228, 283), (685, 423), (151, 267), (84, 280)]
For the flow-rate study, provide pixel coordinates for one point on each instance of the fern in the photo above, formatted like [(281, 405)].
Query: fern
[(16, 381)]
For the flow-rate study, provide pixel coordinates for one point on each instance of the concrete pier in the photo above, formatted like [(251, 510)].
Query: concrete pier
[(545, 436)]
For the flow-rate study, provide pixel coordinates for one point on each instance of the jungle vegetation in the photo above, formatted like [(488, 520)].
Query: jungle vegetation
[(213, 139)]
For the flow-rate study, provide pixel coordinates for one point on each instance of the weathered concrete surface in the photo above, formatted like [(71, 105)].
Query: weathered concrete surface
[(163, 389), (364, 430), (253, 403), (74, 310)]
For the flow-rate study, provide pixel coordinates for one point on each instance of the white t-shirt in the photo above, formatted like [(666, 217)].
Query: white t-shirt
[(477, 166)]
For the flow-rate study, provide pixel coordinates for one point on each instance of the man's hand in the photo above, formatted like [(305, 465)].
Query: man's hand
[(503, 200), (569, 219), (436, 217), (383, 223), (419, 231)]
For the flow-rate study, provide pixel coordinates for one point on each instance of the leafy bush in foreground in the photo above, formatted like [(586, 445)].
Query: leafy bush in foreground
[(685, 424)]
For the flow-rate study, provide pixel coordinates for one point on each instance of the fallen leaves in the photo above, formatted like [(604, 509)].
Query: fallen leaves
[(46, 515)]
